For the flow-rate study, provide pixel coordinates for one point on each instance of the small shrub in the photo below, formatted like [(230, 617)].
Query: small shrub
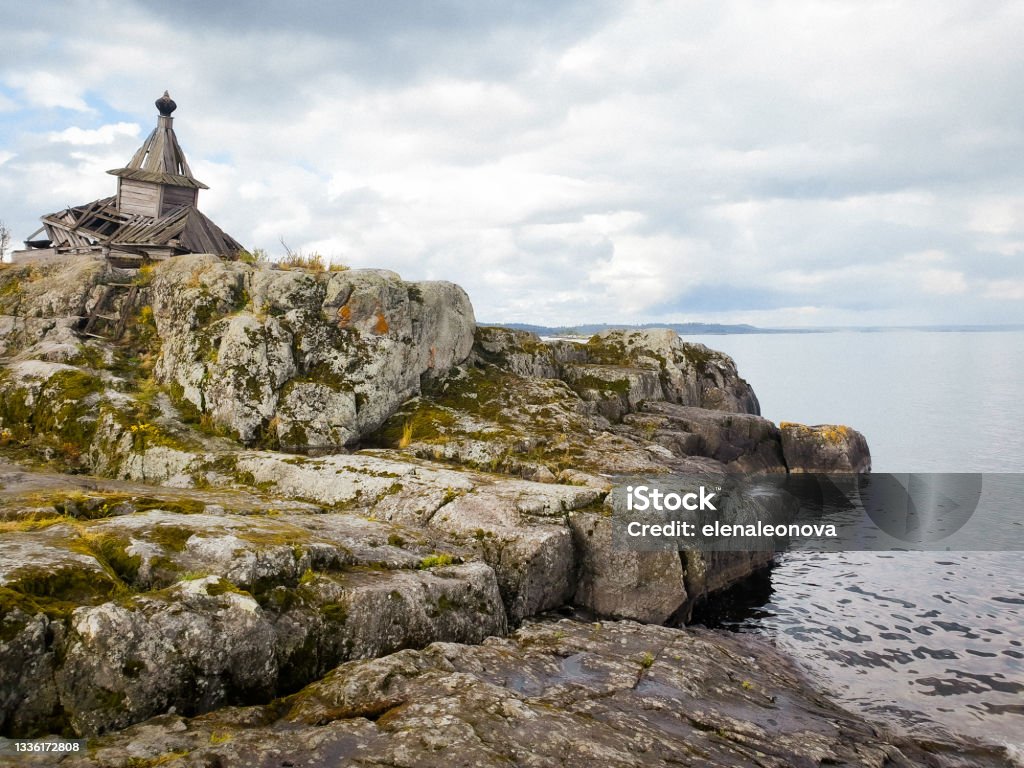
[(255, 256), (406, 440), (70, 453), (298, 260), (140, 432), (144, 276), (437, 561)]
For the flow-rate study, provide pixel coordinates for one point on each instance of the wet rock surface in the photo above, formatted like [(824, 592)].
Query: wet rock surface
[(554, 693)]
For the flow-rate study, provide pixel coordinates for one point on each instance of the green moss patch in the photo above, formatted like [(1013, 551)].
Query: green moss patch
[(56, 591), (699, 356), (598, 384), (223, 586), (63, 408), (111, 550), (336, 613), (170, 537)]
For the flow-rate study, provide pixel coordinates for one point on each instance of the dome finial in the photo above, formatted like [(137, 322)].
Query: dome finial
[(166, 104)]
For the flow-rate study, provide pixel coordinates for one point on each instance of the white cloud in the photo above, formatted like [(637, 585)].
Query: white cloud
[(105, 134), (792, 162), (1010, 248), (46, 89), (1005, 290), (942, 282), (998, 215), (930, 256)]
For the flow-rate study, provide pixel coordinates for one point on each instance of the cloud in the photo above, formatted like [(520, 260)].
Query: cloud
[(792, 163), (997, 215), (48, 89), (105, 134), (943, 282), (1005, 290)]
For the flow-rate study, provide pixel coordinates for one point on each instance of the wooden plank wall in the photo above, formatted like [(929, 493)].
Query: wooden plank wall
[(175, 196), (141, 197)]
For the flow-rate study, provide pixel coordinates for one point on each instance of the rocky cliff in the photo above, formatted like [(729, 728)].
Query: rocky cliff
[(274, 471)]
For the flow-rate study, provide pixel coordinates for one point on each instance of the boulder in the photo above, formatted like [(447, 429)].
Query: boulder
[(518, 528), (741, 441), (29, 657), (616, 390), (620, 583), (40, 302), (199, 647), (824, 448), (409, 609), (191, 297), (314, 416), (240, 342), (148, 610), (691, 374), (253, 362), (523, 353), (443, 325)]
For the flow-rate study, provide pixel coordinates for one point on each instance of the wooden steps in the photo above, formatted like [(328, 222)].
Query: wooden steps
[(104, 324)]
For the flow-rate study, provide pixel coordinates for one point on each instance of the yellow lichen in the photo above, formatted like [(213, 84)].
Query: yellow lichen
[(835, 433)]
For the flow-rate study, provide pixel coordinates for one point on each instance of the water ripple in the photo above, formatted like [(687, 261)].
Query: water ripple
[(874, 630)]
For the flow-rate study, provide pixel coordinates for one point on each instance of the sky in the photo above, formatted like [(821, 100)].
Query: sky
[(783, 164)]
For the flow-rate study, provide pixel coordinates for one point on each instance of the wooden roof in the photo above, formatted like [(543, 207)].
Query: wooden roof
[(160, 159), (184, 228)]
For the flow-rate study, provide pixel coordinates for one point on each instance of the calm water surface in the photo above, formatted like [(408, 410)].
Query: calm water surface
[(920, 640)]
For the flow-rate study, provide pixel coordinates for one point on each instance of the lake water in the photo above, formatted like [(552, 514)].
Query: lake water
[(920, 641)]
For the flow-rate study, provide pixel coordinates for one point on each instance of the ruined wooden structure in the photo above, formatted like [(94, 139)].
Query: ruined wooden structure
[(153, 216)]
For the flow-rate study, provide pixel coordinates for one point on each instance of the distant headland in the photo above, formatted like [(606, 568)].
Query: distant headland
[(710, 329)]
